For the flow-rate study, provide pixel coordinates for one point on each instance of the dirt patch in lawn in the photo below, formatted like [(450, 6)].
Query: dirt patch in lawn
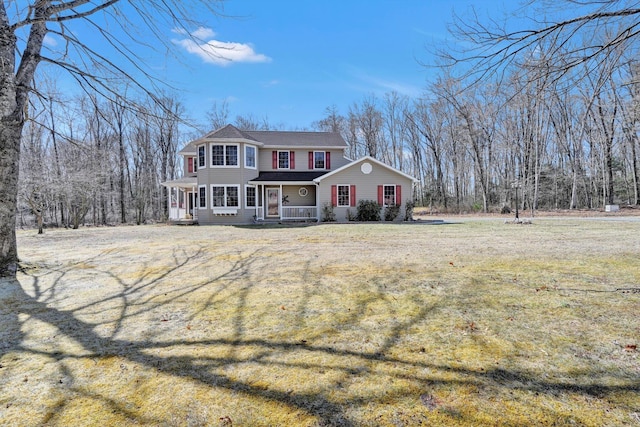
[(346, 324)]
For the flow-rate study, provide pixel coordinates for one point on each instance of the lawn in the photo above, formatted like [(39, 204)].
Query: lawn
[(465, 323)]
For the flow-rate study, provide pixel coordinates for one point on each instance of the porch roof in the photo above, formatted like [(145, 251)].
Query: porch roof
[(287, 177), (186, 182)]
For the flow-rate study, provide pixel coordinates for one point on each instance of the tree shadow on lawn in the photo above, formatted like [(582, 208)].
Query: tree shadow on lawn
[(136, 296)]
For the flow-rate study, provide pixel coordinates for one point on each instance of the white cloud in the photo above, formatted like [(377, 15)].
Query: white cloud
[(50, 41), (201, 43)]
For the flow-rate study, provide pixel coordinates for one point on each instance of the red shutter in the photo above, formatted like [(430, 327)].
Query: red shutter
[(190, 164), (274, 159), (352, 195), (380, 195), (334, 195), (398, 195), (310, 160), (327, 160), (292, 159)]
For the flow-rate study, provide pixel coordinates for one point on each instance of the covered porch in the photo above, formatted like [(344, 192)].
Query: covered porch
[(286, 196), (182, 200)]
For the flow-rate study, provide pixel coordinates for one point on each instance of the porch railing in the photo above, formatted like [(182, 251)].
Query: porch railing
[(299, 212)]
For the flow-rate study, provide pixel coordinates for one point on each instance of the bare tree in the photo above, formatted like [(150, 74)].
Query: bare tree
[(597, 29), (113, 22)]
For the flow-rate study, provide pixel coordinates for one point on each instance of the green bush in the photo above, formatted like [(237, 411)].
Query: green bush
[(327, 213), (368, 210), (391, 212), (408, 210)]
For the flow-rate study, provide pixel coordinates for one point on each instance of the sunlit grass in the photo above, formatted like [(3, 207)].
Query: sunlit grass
[(477, 323)]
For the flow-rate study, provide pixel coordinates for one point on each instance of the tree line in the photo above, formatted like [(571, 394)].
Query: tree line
[(562, 134)]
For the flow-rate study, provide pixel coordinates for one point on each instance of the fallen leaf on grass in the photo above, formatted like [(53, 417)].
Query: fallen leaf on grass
[(630, 347)]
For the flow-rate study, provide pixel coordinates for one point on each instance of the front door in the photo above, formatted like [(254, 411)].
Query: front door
[(273, 202)]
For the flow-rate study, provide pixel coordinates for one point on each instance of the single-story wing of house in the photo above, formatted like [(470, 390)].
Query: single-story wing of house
[(241, 177)]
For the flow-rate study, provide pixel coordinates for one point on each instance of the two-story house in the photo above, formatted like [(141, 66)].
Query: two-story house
[(239, 177)]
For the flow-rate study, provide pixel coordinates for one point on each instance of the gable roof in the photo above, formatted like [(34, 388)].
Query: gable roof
[(270, 138), (361, 160), (229, 132)]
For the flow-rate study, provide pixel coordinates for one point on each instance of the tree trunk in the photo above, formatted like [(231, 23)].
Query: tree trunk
[(10, 131)]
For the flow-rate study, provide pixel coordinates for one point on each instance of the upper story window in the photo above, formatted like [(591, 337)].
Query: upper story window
[(224, 155), (319, 160), (249, 156), (201, 156), (283, 160)]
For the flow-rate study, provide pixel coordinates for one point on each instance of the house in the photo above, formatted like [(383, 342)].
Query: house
[(239, 177)]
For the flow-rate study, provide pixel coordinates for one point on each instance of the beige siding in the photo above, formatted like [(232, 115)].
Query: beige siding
[(239, 176), (366, 186), (301, 159)]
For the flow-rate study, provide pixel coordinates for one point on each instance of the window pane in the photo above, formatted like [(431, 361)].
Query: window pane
[(232, 196), (201, 156), (283, 160), (203, 197), (318, 160), (217, 155), (250, 155), (232, 155), (343, 195), (389, 195), (218, 196), (251, 196)]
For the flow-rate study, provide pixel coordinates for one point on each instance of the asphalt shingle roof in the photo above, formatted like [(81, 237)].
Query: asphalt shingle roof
[(288, 176)]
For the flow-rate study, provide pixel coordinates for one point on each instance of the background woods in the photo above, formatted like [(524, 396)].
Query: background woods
[(557, 111)]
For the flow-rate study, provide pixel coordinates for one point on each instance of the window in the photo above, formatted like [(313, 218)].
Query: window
[(224, 155), (201, 156), (389, 195), (343, 196), (250, 196), (318, 160), (225, 196), (249, 156), (283, 160), (195, 164), (202, 197)]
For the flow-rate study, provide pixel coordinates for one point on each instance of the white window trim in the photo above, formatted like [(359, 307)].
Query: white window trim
[(225, 186), (205, 197), (384, 205), (348, 196), (246, 205), (204, 147), (255, 157), (324, 154), (288, 159), (224, 154)]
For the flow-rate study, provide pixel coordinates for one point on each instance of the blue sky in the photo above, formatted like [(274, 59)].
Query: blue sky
[(290, 60)]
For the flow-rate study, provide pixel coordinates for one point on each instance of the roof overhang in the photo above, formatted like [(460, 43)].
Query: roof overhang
[(187, 182), (360, 161), (287, 178)]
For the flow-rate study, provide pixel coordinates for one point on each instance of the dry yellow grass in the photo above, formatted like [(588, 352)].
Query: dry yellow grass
[(474, 323)]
